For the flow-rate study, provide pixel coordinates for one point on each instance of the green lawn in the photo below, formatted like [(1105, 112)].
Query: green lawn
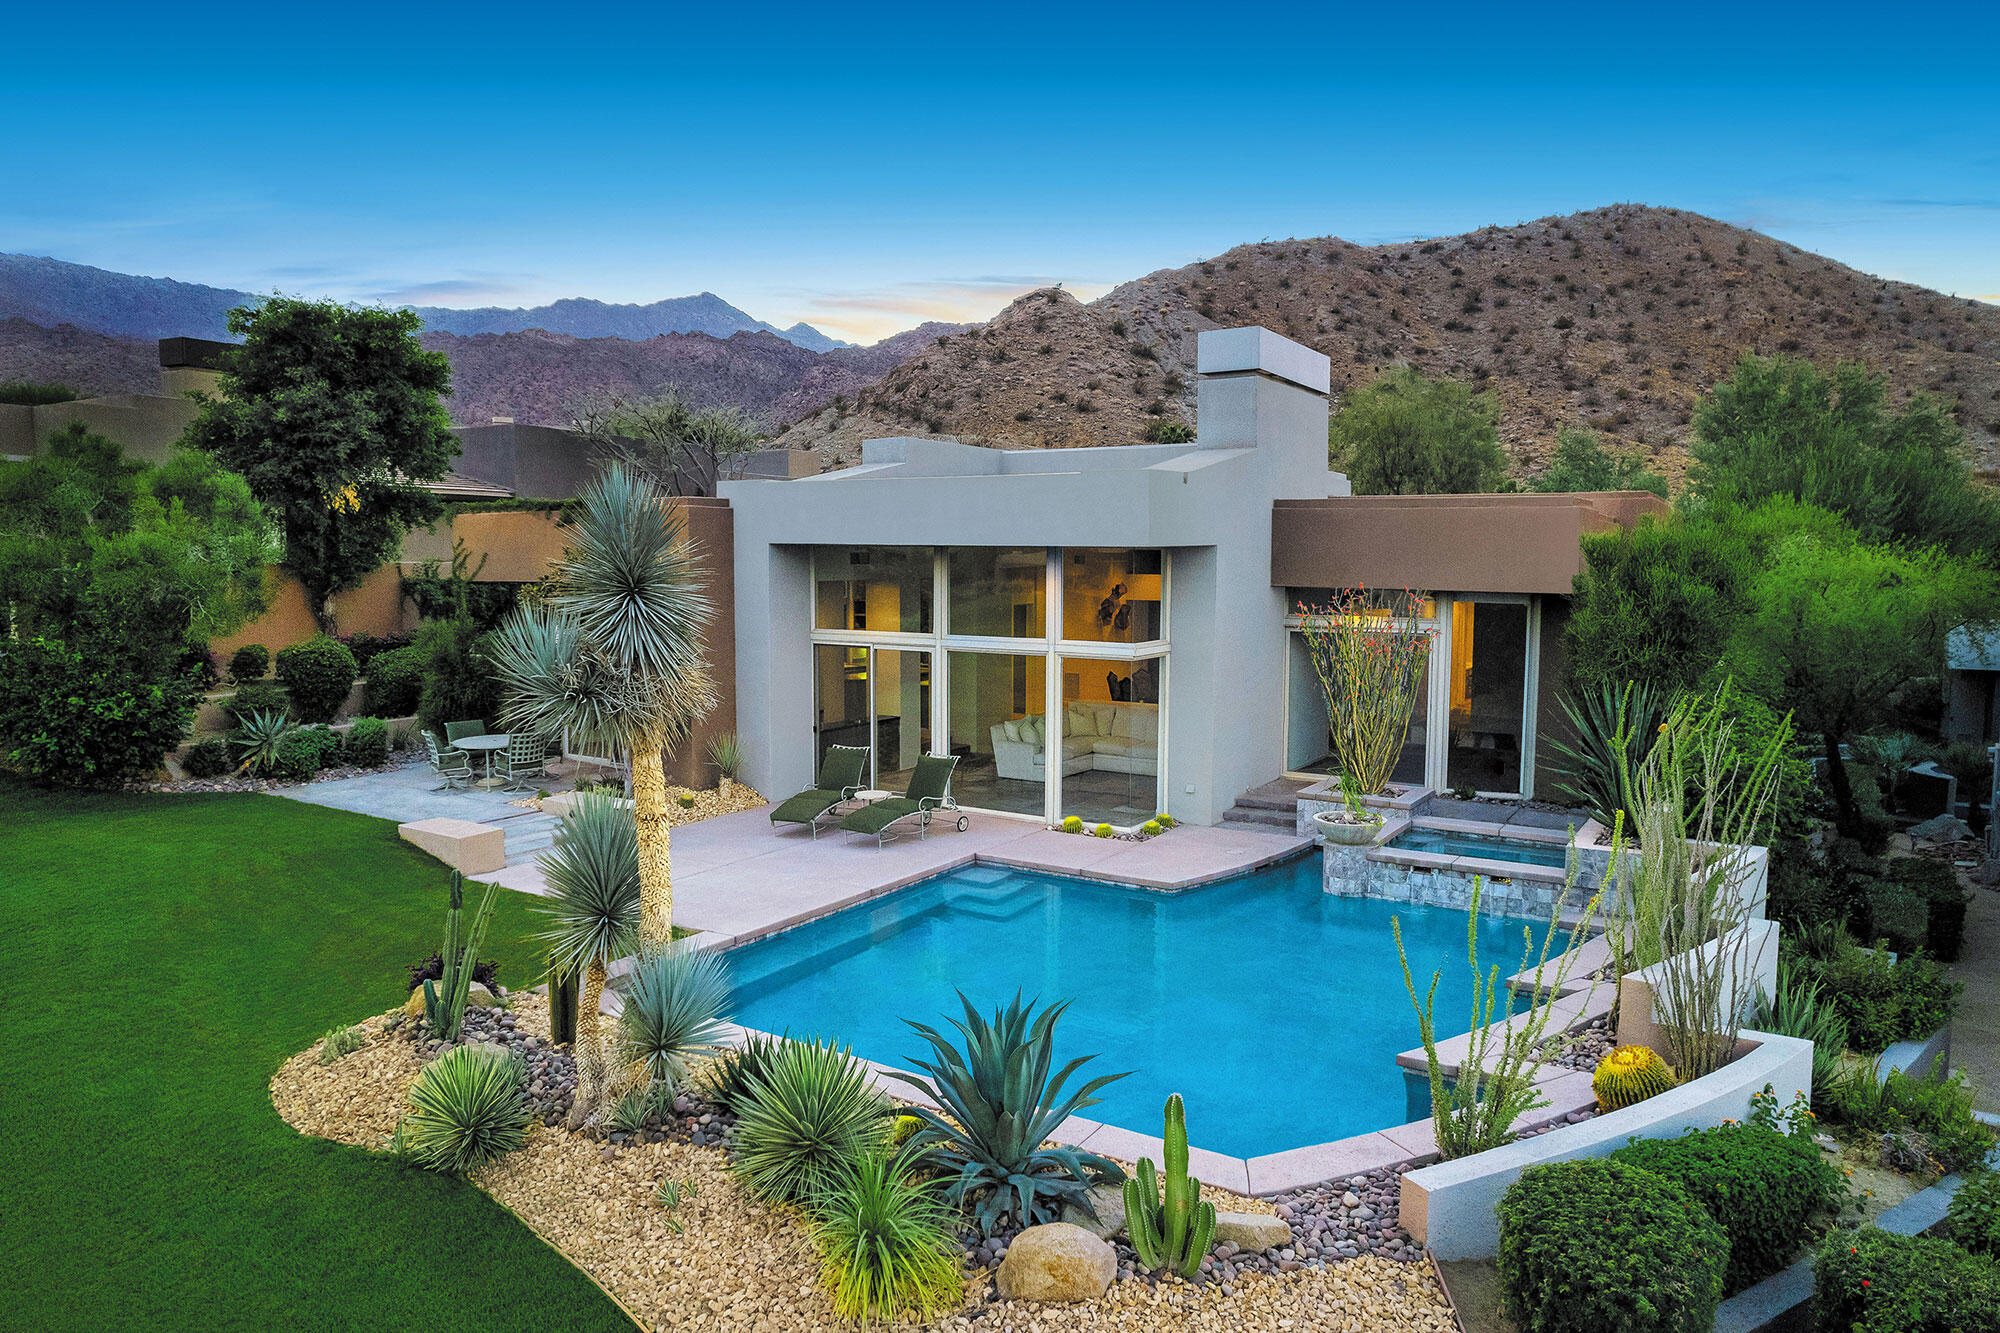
[(169, 953)]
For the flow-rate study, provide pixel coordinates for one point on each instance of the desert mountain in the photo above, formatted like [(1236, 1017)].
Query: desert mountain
[(1616, 319), (51, 292)]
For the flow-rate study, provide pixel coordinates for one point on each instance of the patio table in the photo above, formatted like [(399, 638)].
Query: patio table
[(487, 743)]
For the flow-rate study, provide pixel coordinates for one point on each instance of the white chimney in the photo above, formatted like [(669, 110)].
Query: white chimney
[(1259, 391)]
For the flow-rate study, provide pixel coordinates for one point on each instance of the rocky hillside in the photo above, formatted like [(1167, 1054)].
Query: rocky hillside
[(52, 292), (1617, 319), (91, 363)]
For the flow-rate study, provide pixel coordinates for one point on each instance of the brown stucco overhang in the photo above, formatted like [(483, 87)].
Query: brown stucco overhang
[(1461, 543)]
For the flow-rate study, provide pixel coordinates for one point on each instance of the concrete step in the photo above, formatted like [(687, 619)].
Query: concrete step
[(1276, 830), (1256, 801), (1245, 814)]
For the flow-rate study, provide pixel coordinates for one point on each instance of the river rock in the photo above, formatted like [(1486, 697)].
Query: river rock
[(1057, 1262)]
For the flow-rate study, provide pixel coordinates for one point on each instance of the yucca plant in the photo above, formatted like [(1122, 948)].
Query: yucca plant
[(1002, 1105), (813, 1113), (676, 1005), (887, 1244), (731, 1076), (592, 871), (466, 1108), (726, 753), (257, 739), (1612, 730), (1799, 1009), (617, 658)]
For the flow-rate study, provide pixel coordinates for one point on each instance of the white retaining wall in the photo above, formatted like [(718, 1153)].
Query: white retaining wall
[(1450, 1206)]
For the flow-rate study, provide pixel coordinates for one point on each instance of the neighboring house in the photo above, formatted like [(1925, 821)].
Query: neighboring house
[(1111, 632), (1972, 685)]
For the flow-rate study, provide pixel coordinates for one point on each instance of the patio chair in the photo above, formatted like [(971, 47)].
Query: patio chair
[(929, 792), (839, 778), (454, 766), (526, 756), (453, 731)]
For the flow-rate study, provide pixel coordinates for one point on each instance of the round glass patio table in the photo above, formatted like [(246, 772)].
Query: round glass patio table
[(487, 743)]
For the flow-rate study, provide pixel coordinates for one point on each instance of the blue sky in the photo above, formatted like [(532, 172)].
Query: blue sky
[(867, 167)]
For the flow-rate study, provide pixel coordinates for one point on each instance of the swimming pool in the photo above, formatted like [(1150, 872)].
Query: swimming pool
[(1486, 846), (1274, 1008)]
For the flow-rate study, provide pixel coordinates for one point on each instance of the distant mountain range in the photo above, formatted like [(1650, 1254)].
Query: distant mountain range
[(50, 292)]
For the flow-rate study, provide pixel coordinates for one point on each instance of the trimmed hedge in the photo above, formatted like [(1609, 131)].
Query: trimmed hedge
[(257, 697), (209, 759), (395, 680), (367, 647), (1871, 1281), (249, 663), (1935, 884), (1606, 1247), (305, 752), (1883, 1001), (1768, 1190), (319, 673), (367, 743)]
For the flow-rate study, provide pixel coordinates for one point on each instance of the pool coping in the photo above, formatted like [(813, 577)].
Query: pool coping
[(1408, 1145), (1477, 865)]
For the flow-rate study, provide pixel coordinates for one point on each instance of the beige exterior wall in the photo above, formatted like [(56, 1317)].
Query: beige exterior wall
[(374, 606), (178, 381), (17, 431), (146, 426), (520, 546)]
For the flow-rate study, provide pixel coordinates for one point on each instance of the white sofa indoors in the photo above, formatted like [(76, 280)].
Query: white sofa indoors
[(1108, 737)]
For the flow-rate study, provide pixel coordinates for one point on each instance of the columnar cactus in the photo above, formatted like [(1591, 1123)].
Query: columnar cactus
[(1628, 1076), (1174, 1231), (444, 997)]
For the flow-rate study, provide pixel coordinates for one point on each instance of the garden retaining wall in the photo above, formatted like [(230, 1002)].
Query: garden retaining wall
[(1449, 1206)]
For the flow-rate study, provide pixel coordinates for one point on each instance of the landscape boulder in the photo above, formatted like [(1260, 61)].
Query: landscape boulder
[(1254, 1232), (1109, 1201), (1057, 1262)]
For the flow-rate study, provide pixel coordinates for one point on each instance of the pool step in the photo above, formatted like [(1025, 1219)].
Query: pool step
[(1271, 808)]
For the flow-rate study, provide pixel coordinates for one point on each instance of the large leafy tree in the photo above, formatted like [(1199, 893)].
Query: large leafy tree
[(334, 416), (1779, 426), (617, 660), (1841, 631), (1582, 463), (1404, 433), (681, 448)]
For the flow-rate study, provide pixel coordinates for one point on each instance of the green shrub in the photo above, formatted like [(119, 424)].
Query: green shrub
[(208, 759), (731, 1076), (1882, 1001), (1000, 1108), (341, 1041), (887, 1245), (367, 647), (676, 1003), (1973, 1220), (1935, 884), (257, 697), (458, 679), (82, 719), (304, 751), (367, 743), (466, 1108), (1605, 1247), (249, 663), (1165, 430), (1939, 1110), (814, 1114), (395, 680), (319, 673), (1872, 1281), (1769, 1191)]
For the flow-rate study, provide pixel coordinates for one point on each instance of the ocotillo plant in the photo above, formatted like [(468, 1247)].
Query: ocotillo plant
[(1173, 1232), (444, 996)]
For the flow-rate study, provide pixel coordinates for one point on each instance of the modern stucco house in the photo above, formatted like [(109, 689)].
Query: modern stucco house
[(1113, 631)]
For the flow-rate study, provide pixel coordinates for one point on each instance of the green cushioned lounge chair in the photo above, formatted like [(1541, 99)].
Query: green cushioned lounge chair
[(839, 779), (929, 793)]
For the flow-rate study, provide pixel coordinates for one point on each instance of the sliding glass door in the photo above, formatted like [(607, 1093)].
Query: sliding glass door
[(878, 700)]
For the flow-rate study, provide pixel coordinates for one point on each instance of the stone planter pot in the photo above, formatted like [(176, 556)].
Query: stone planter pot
[(1336, 828)]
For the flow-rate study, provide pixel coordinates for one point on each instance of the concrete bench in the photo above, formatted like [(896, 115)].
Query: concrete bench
[(469, 848)]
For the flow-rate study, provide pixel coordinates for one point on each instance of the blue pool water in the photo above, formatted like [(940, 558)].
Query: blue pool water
[(1275, 1009), (1488, 846)]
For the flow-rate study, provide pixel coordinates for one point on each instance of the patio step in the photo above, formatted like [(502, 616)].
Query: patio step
[(1270, 808)]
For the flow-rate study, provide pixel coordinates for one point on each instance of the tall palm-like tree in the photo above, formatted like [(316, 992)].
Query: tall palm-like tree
[(617, 658), (593, 905)]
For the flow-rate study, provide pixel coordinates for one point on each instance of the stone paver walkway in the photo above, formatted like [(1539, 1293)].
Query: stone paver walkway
[(1975, 1033)]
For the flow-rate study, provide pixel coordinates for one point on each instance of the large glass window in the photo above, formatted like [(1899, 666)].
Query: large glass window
[(1000, 731), (1112, 596), (902, 715), (1111, 740), (840, 713), (997, 591), (1489, 681), (886, 588)]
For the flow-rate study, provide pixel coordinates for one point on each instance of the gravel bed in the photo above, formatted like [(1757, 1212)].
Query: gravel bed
[(725, 1262), (1582, 1049), (397, 759)]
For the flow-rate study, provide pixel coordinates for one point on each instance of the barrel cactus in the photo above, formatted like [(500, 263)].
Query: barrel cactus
[(1176, 1230), (1628, 1076)]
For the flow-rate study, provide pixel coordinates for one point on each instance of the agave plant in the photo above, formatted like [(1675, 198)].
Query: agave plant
[(466, 1108), (593, 876), (733, 1074), (887, 1244), (1002, 1106), (1799, 1009), (814, 1112), (675, 1007), (257, 740), (1613, 730)]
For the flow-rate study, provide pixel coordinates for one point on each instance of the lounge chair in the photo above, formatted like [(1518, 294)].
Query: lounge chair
[(455, 731), (929, 792), (839, 778), (454, 766), (526, 756)]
